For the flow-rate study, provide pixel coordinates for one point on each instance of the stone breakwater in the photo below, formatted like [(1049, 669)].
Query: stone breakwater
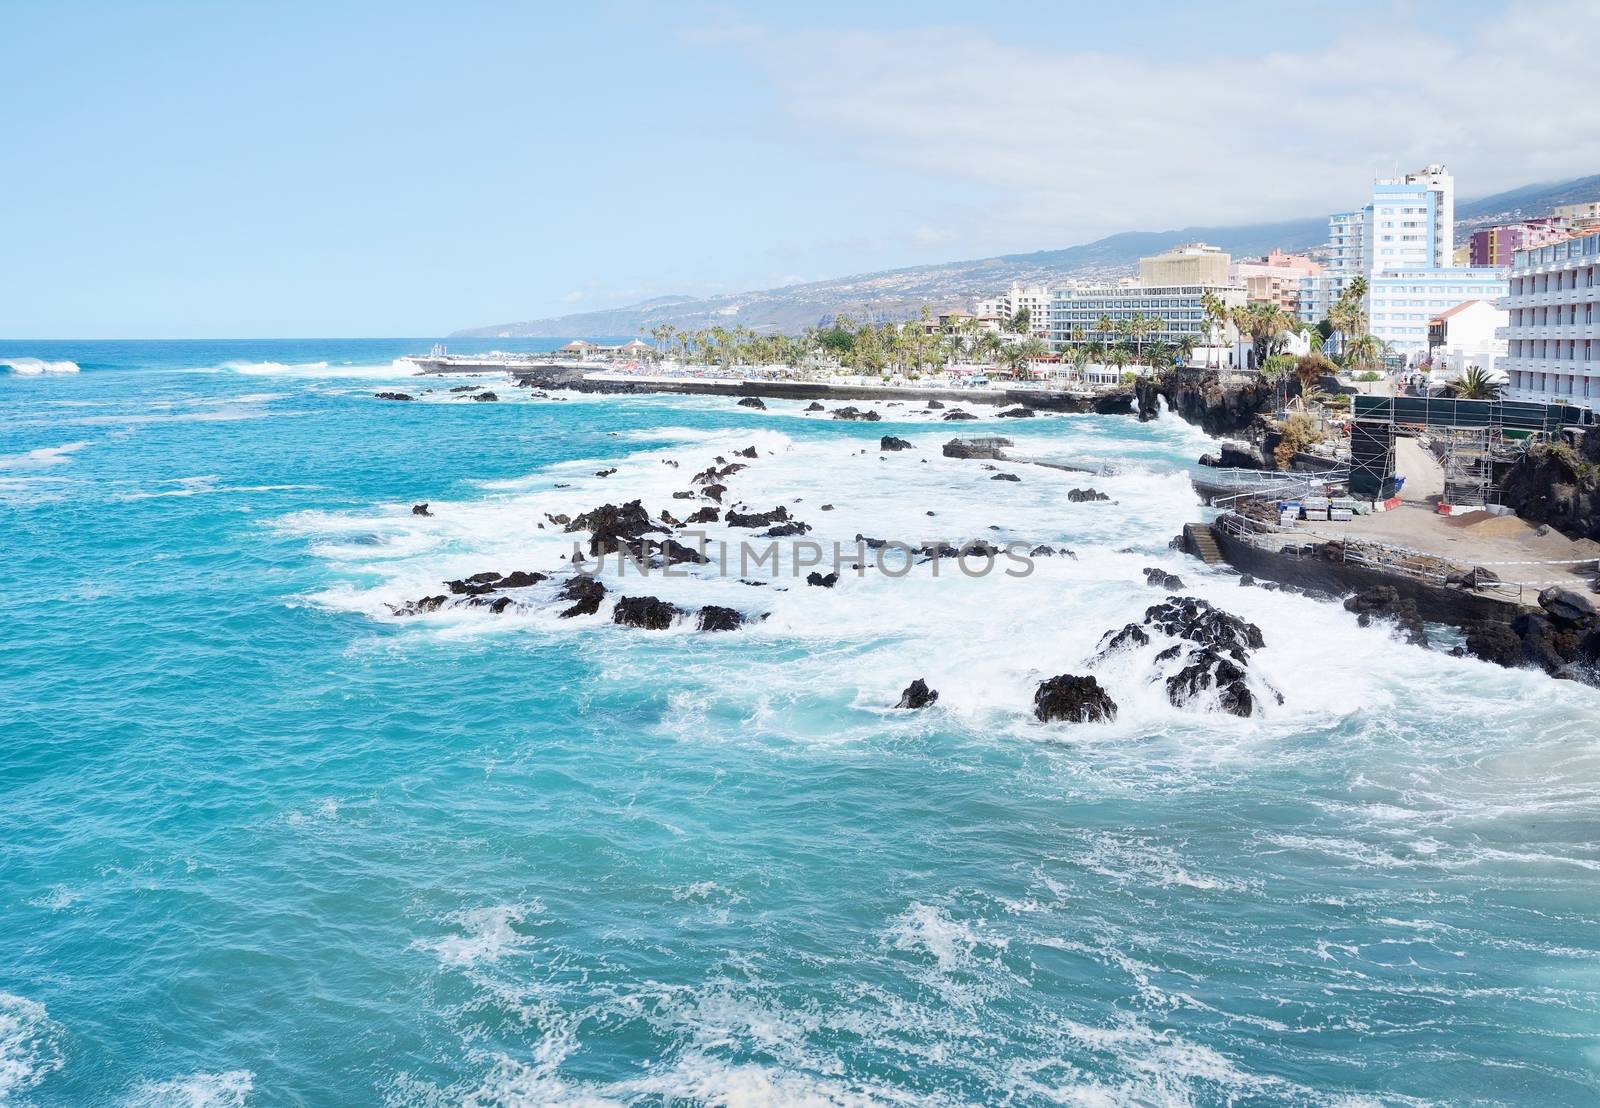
[(1112, 402)]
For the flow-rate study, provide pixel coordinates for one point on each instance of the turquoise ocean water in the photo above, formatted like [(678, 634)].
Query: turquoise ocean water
[(262, 842)]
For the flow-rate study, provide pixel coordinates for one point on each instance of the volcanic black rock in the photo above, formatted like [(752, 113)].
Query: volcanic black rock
[(917, 695), (586, 593), (648, 612), (889, 442), (1074, 700), (752, 402)]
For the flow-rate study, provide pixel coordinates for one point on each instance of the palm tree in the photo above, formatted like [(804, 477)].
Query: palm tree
[(1309, 369), (662, 333), (1217, 316), (1119, 355), (1105, 326), (1266, 323), (1475, 384), (1186, 345)]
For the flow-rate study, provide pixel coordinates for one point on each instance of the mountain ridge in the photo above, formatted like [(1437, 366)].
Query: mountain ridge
[(900, 293)]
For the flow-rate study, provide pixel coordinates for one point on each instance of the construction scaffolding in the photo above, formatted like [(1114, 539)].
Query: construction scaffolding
[(1470, 432), (1468, 462)]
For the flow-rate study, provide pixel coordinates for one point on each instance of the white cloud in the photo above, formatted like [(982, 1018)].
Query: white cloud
[(1076, 144)]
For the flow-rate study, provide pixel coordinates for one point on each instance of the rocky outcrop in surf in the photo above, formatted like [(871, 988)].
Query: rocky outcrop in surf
[(752, 402), (1562, 638), (646, 612), (1073, 699), (890, 443), (917, 695), (1205, 666), (394, 396), (851, 412)]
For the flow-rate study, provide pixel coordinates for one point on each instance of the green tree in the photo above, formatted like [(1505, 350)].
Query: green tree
[(1475, 384)]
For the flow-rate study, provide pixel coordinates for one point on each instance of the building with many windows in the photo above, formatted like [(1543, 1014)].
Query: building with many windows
[(1402, 243), (1274, 279), (1553, 328), (1579, 217), (1193, 263), (1076, 314), (1004, 308), (1494, 246), (1402, 302), (1346, 261)]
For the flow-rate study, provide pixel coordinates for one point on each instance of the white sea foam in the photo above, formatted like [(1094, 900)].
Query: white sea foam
[(395, 369), (42, 456), (30, 1045), (485, 934), (36, 367), (230, 1089), (985, 644)]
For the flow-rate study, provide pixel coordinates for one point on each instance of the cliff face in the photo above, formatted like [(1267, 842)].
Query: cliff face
[(1215, 409), (1558, 485)]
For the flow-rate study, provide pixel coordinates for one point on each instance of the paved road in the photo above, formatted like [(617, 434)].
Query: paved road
[(1424, 476)]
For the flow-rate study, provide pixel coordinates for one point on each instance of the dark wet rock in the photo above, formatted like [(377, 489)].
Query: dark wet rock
[(851, 412), (917, 695), (714, 617), (500, 604), (821, 581), (1234, 456), (935, 403), (956, 414), (814, 407), (420, 509), (585, 592), (990, 449), (1385, 602), (647, 612), (707, 514), (1018, 412), (1567, 608), (826, 508), (669, 462), (889, 442), (393, 396), (747, 452), (521, 579), (1494, 642), (752, 402), (1082, 496), (871, 543), (684, 495), (1005, 477), (735, 518), (1161, 579), (1545, 642), (1130, 637), (1051, 552), (1245, 580), (1197, 621), (417, 607), (786, 530), (671, 520), (466, 388), (486, 397), (605, 472), (1204, 670), (561, 519), (614, 526), (714, 492), (1073, 699), (476, 585), (672, 552)]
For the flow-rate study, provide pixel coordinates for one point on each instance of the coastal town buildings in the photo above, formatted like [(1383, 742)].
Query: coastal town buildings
[(1346, 261), (1402, 243), (1077, 314), (1192, 263), (1553, 330), (1579, 217), (1467, 335), (1035, 299), (1275, 278), (1493, 247)]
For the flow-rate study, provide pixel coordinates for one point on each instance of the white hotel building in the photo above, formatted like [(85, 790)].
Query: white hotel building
[(1402, 243), (1553, 336)]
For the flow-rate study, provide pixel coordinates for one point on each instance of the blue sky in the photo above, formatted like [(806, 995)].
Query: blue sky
[(230, 169)]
